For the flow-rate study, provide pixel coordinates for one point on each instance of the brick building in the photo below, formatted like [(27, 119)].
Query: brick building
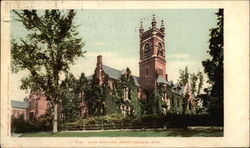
[(152, 73), (152, 56), (37, 104)]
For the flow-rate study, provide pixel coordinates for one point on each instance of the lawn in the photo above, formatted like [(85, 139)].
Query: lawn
[(152, 133)]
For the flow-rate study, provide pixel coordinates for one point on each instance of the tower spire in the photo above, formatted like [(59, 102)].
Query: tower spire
[(141, 30), (154, 22), (162, 27)]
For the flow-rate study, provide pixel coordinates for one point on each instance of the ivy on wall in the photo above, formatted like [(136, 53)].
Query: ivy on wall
[(102, 100), (127, 82)]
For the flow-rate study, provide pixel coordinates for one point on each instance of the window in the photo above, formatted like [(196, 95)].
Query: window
[(126, 94), (160, 50)]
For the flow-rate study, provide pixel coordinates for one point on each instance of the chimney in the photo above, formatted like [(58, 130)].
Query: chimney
[(166, 77), (99, 61)]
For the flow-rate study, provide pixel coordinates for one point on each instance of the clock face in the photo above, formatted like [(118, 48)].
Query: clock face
[(147, 50)]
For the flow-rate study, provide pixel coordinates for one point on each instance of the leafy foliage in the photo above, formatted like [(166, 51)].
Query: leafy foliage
[(51, 45), (70, 98), (184, 76), (200, 83), (193, 82), (185, 104), (214, 67), (127, 81), (117, 121), (21, 125), (96, 96)]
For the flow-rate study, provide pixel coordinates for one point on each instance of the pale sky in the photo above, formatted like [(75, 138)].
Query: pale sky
[(114, 34)]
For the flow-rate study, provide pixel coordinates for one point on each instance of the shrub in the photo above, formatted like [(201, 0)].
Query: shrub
[(20, 125), (99, 122), (176, 120), (170, 120)]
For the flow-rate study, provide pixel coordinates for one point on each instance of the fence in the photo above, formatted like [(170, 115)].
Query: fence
[(169, 121), (72, 126)]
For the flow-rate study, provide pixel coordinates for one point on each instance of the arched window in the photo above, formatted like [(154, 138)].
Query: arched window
[(160, 50)]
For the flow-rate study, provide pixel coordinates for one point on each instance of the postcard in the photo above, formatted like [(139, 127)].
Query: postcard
[(124, 74)]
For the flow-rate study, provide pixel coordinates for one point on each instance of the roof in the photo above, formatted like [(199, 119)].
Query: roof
[(123, 71), (179, 90), (136, 80), (19, 104), (176, 85), (113, 73), (89, 77), (161, 80), (116, 74)]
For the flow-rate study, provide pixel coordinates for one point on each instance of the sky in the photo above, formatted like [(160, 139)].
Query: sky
[(114, 34)]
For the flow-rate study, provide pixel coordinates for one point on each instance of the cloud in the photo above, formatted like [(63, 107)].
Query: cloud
[(173, 68), (179, 56), (99, 43)]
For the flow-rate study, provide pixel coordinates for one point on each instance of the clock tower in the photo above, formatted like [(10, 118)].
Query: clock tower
[(152, 55)]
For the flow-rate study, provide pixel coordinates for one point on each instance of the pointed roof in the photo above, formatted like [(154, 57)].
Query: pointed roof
[(123, 71), (160, 79), (136, 80), (116, 74), (19, 104), (113, 73)]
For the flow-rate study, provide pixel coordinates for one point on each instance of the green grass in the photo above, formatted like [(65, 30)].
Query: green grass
[(165, 133)]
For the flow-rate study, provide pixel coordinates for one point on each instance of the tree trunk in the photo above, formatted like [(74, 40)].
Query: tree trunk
[(55, 118)]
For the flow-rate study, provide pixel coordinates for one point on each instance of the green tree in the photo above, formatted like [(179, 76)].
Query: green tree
[(185, 103), (96, 96), (214, 67), (184, 76), (50, 47), (193, 82), (82, 85), (200, 82), (70, 98)]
